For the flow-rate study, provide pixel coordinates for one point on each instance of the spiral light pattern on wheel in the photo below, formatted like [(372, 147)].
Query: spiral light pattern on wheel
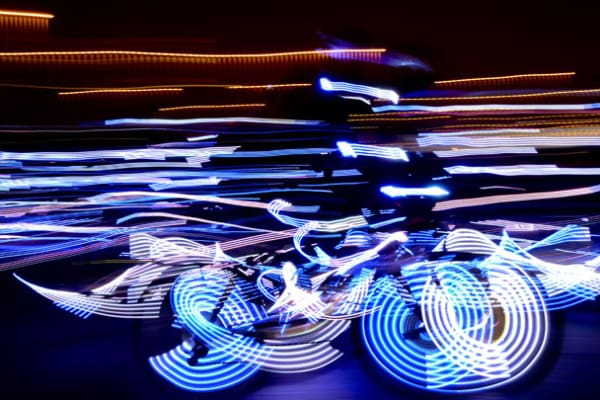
[(461, 329), (231, 358), (394, 335)]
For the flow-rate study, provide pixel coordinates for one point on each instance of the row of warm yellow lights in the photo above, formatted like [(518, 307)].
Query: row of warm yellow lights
[(161, 89), (543, 125), (25, 14), (194, 55), (559, 129), (212, 107), (555, 93), (493, 79), (122, 91)]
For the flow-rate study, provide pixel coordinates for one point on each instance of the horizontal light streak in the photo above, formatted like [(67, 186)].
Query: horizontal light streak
[(223, 120), (244, 175), (200, 138), (212, 107), (395, 191), (151, 179), (260, 57), (483, 132), (518, 226), (511, 198), (29, 226), (521, 170), (123, 91), (488, 107), (277, 153), (68, 89), (125, 154), (504, 78), (270, 86), (460, 97), (485, 151), (517, 141), (371, 118), (27, 14), (110, 167), (130, 196)]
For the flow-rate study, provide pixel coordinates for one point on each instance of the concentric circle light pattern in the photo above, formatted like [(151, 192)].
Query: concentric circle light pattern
[(230, 358), (463, 330)]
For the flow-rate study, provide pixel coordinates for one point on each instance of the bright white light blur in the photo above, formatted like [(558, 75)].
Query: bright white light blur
[(395, 191)]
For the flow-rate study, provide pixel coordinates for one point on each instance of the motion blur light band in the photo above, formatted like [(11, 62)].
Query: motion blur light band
[(192, 121), (371, 91), (354, 150), (394, 191)]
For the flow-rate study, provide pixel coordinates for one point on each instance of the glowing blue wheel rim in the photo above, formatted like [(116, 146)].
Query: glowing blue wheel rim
[(453, 331), (231, 358)]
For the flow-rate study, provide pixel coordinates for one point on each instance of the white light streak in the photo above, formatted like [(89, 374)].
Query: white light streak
[(371, 91), (510, 198), (520, 170), (394, 191), (489, 107), (353, 150), (485, 151), (202, 121)]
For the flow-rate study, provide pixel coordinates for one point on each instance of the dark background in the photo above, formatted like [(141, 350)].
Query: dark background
[(460, 38), (48, 353)]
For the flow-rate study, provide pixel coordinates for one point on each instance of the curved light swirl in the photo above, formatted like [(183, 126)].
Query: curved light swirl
[(395, 337), (214, 372), (231, 358), (303, 348), (457, 312), (454, 330), (495, 330)]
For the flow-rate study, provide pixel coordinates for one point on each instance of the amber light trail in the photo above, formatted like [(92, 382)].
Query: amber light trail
[(274, 86), (557, 93), (88, 56), (123, 91), (506, 79), (25, 14), (212, 107)]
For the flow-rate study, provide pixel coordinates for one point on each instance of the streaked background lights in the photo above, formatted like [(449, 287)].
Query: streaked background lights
[(264, 214)]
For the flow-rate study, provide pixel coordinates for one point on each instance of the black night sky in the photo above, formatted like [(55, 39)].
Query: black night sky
[(463, 38)]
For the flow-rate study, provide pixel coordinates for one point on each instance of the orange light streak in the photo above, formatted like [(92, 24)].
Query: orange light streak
[(26, 14), (274, 86), (518, 124), (494, 79), (397, 119), (213, 106), (206, 57), (122, 91), (188, 85), (532, 117), (506, 96)]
